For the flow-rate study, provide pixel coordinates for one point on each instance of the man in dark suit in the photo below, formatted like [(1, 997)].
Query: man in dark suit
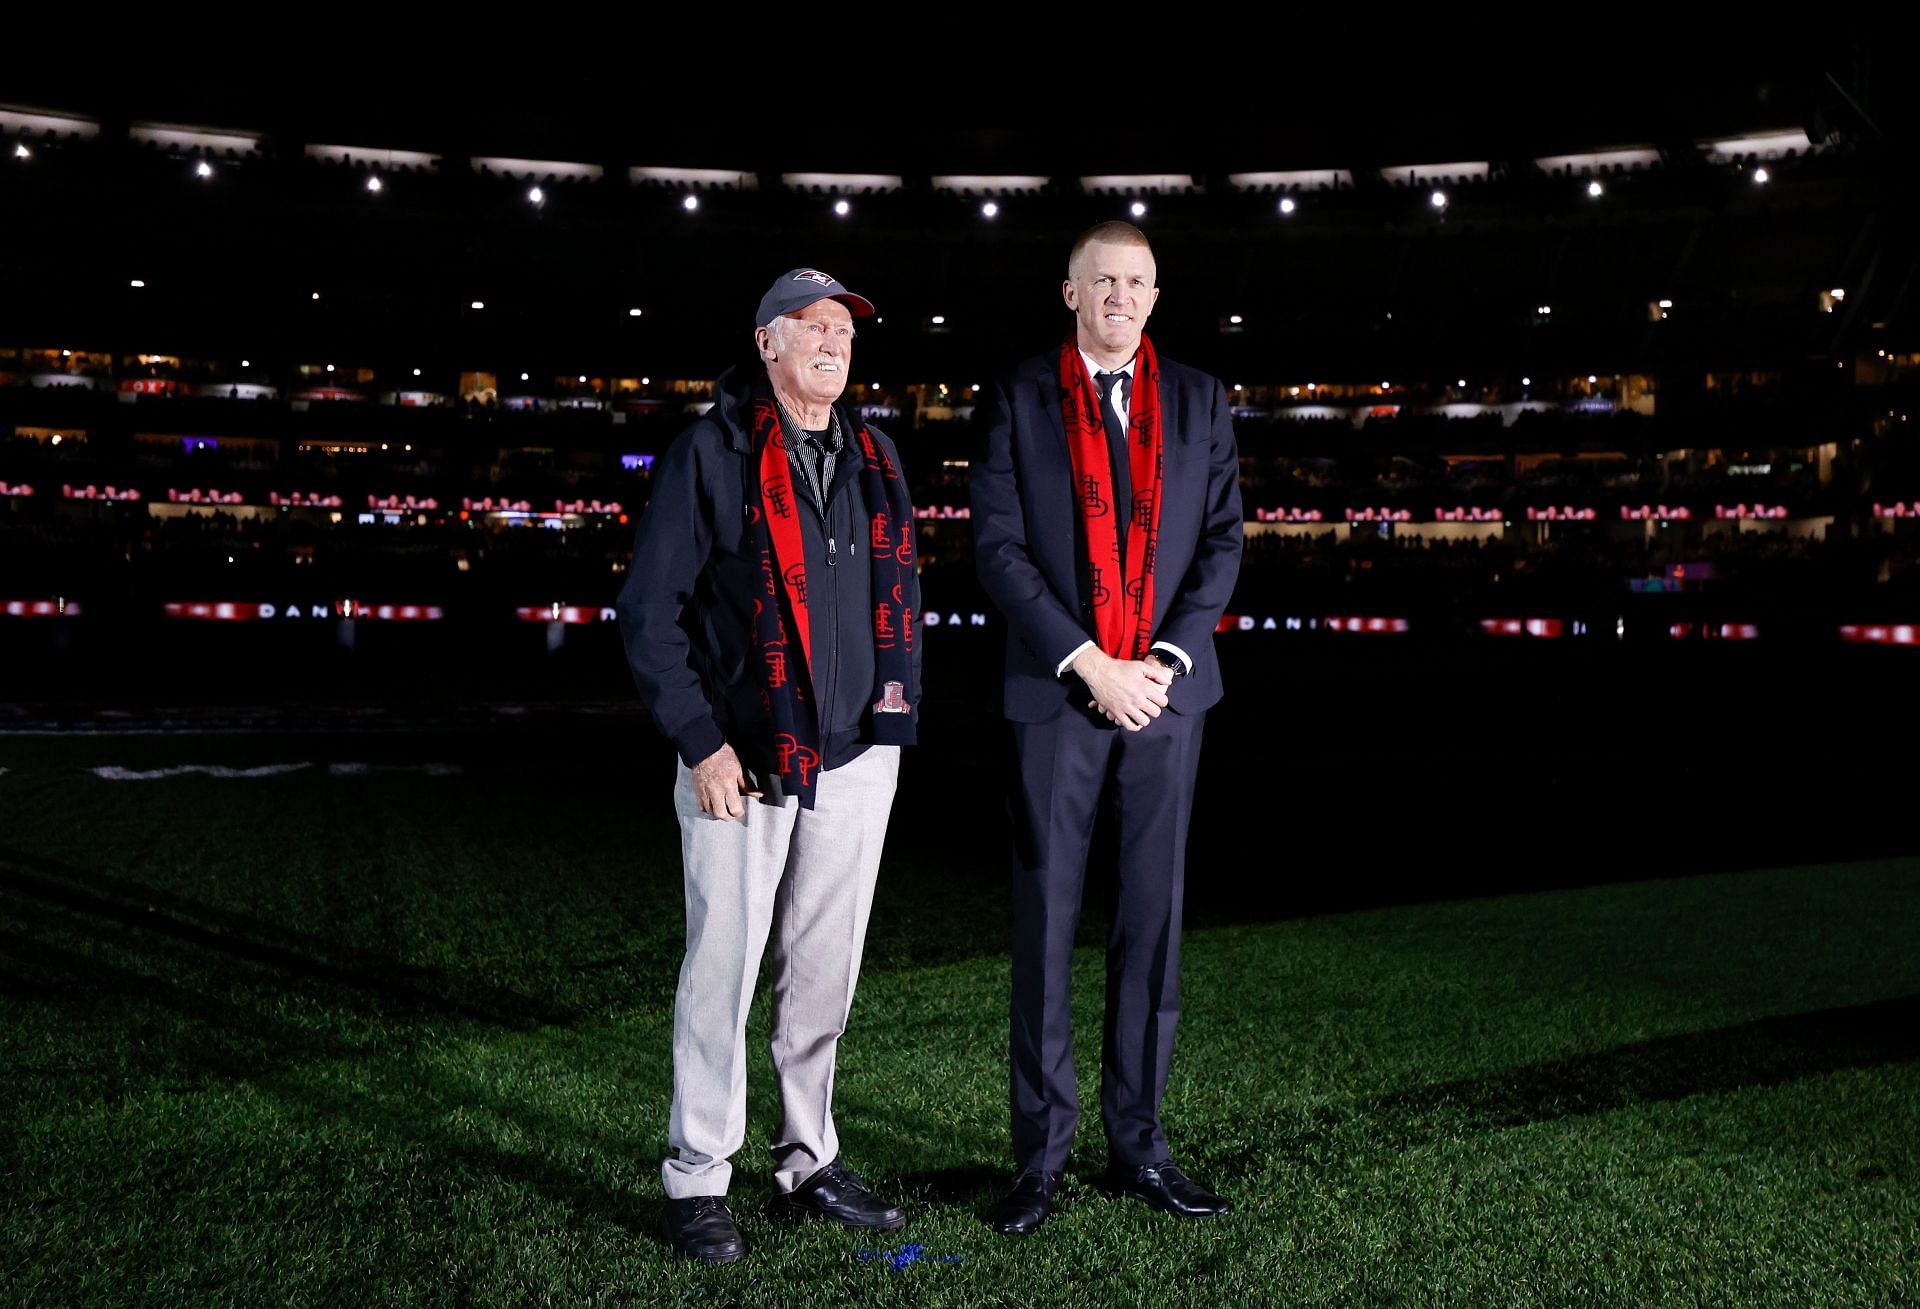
[(1106, 518)]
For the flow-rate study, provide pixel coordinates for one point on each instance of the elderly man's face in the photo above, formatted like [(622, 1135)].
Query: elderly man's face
[(1110, 290), (812, 354)]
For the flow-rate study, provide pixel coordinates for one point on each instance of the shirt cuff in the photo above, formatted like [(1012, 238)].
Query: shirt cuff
[(1061, 670), (1176, 652)]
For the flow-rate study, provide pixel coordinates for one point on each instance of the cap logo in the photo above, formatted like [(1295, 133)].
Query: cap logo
[(813, 275)]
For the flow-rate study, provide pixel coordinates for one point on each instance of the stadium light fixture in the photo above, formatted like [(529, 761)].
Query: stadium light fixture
[(633, 313), (646, 381), (478, 304), (136, 283), (1462, 382), (536, 196), (974, 387), (1595, 190), (523, 377), (373, 185), (1666, 304), (1526, 381), (842, 208), (1438, 199), (329, 368), (938, 320), (20, 151), (1287, 205), (1138, 209), (203, 170), (1760, 176), (989, 210), (314, 296), (1838, 293), (416, 372), (690, 203), (1591, 379), (246, 363)]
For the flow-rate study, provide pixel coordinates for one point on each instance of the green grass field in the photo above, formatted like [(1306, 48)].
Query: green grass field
[(398, 1040)]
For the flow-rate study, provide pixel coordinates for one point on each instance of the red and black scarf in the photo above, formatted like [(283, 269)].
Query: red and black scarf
[(1121, 590), (781, 613)]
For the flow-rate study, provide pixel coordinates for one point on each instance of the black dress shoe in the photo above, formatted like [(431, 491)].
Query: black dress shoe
[(836, 1192), (1026, 1206), (701, 1227), (1164, 1186)]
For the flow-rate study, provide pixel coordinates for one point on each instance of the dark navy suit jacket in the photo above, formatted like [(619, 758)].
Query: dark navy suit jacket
[(1027, 539)]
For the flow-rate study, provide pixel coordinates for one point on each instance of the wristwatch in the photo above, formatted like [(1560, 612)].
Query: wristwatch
[(1169, 662)]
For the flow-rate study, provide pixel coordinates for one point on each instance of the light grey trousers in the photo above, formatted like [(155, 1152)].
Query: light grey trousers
[(804, 879)]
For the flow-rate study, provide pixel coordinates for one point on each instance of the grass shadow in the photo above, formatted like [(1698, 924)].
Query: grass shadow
[(100, 905)]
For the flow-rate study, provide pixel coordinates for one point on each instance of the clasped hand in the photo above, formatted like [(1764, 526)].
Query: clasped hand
[(1130, 692)]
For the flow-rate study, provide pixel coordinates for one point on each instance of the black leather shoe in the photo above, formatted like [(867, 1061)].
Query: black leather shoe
[(701, 1227), (1026, 1206), (1164, 1186), (836, 1192)]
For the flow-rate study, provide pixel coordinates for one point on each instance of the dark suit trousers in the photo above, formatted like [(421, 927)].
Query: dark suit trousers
[(1064, 768)]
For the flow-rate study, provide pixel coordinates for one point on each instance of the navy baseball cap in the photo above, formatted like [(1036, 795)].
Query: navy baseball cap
[(797, 288)]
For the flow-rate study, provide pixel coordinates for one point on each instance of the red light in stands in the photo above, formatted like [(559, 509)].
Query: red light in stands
[(1371, 514), (942, 511), (1287, 515), (1714, 631), (91, 492), (1899, 509), (15, 488), (39, 608), (562, 613), (1560, 514), (246, 611), (1881, 633), (1750, 511), (1543, 627), (1369, 625), (1670, 513), (1468, 514)]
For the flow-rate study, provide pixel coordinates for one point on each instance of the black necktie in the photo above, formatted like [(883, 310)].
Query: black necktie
[(1117, 458)]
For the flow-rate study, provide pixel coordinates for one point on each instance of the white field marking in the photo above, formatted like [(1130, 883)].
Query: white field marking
[(114, 773), (361, 770)]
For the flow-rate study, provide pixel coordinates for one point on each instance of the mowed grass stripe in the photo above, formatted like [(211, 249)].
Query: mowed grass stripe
[(408, 1043)]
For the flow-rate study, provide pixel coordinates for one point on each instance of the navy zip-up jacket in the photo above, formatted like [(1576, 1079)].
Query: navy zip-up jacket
[(686, 610)]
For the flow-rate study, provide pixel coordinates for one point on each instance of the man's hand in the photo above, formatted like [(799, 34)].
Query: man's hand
[(719, 782), (1130, 692)]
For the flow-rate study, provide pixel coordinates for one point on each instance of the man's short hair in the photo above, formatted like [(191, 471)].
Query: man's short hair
[(1112, 232)]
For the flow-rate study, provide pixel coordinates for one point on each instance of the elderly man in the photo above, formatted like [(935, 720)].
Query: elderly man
[(769, 620), (1106, 518)]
